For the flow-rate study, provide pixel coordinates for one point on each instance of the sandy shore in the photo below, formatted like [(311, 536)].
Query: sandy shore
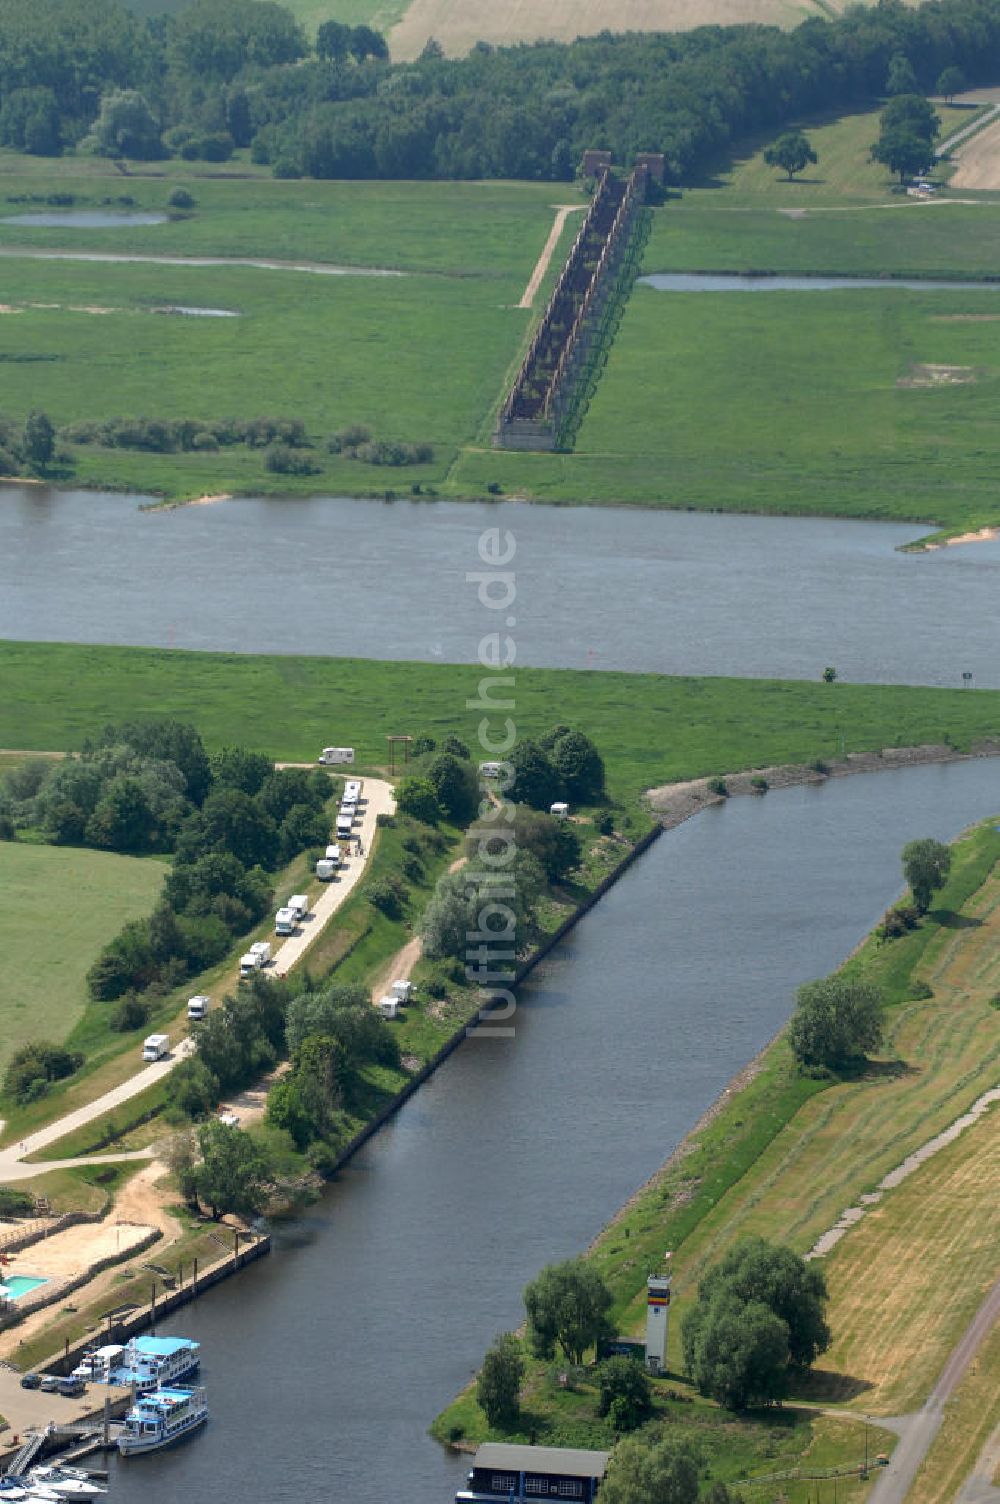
[(984, 535)]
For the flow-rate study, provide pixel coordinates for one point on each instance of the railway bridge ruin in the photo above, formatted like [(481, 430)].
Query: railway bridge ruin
[(537, 409)]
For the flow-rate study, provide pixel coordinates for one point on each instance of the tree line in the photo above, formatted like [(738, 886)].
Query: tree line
[(241, 73)]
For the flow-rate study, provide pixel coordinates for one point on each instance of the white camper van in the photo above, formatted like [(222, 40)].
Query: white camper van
[(403, 990), (326, 870), (257, 956), (345, 824), (155, 1047), (299, 905), (330, 756), (285, 920), (388, 1007), (198, 1006)]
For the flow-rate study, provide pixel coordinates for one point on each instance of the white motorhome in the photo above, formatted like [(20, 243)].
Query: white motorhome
[(198, 1006), (352, 791), (299, 905), (285, 920), (326, 870), (559, 809), (489, 769), (333, 755), (345, 824), (332, 854), (403, 990), (388, 1007), (155, 1047), (257, 956)]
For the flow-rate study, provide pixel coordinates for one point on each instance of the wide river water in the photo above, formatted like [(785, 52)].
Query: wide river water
[(326, 1362), (608, 588)]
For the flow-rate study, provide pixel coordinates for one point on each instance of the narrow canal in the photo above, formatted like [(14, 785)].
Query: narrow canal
[(326, 1362)]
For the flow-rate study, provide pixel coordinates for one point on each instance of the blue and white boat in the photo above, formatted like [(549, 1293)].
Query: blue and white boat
[(159, 1419), (148, 1363)]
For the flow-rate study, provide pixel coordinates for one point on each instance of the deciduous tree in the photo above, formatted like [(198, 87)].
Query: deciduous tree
[(837, 1021), (926, 864), (568, 1304), (792, 152), (499, 1381)]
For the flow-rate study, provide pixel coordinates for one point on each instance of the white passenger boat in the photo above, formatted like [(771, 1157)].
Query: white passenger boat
[(148, 1363), (159, 1419), (65, 1482)]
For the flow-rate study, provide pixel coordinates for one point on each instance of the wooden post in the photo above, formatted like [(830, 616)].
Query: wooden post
[(152, 1308), (194, 1278)]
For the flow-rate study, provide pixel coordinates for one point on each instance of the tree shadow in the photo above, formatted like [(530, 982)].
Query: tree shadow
[(878, 1070), (824, 1386), (949, 920)]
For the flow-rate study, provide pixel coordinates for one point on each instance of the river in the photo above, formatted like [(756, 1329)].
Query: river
[(641, 590), (326, 1362)]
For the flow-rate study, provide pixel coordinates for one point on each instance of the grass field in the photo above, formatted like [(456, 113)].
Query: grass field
[(59, 908), (811, 402), (650, 728), (786, 402)]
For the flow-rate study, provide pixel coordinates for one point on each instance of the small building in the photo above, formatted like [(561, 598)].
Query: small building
[(511, 1474), (653, 163), (595, 163)]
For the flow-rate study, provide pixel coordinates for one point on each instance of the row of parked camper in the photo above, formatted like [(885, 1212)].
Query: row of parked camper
[(347, 814)]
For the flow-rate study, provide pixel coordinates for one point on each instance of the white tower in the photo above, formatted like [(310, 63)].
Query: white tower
[(657, 1320)]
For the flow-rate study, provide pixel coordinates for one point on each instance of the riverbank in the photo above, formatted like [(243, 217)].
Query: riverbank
[(781, 1155), (676, 802)]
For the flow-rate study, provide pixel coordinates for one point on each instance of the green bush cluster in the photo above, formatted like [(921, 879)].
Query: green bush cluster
[(173, 435), (35, 1066)]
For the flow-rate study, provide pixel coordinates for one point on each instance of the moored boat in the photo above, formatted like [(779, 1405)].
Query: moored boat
[(159, 1419), (148, 1363), (65, 1482)]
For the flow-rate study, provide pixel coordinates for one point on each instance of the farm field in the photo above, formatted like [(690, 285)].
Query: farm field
[(59, 908), (650, 728), (459, 24)]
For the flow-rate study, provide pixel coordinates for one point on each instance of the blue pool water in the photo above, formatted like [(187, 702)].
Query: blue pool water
[(17, 1285)]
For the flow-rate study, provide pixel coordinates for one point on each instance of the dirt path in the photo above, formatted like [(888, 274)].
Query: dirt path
[(979, 1487), (895, 1483), (563, 211), (979, 160), (398, 969)]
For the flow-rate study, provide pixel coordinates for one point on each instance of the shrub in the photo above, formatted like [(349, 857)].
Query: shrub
[(625, 1393), (605, 823), (417, 797), (718, 786), (921, 992), (282, 459), (131, 1013), (181, 199), (759, 784), (34, 1066), (347, 440), (387, 894), (15, 1203)]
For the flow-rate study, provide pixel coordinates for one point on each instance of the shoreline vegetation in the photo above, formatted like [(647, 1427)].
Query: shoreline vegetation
[(780, 1154)]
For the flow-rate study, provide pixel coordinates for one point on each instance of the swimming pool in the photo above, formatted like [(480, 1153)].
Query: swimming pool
[(17, 1285)]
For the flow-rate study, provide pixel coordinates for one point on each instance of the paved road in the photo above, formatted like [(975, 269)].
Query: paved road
[(921, 1429), (378, 799)]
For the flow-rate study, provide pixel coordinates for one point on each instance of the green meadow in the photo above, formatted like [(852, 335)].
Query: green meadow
[(795, 402), (792, 402), (60, 907), (650, 728)]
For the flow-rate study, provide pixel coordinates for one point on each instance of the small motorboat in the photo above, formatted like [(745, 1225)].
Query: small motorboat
[(65, 1482)]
